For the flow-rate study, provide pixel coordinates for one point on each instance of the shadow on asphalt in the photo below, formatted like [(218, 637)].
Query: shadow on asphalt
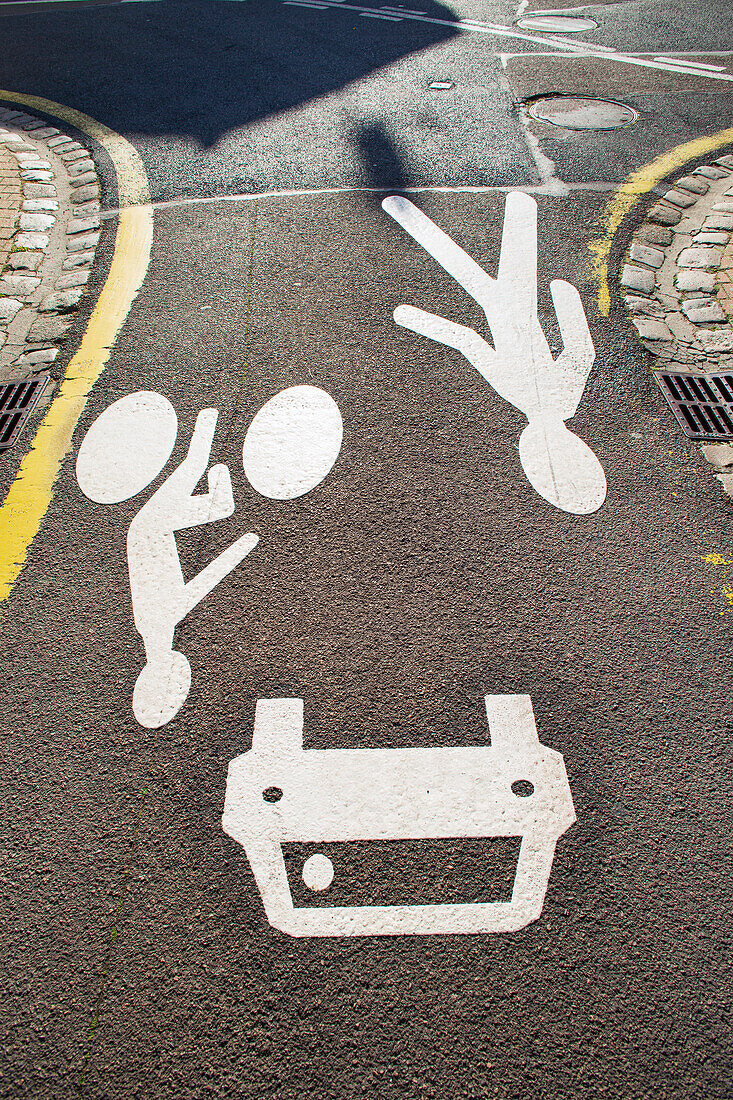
[(253, 60)]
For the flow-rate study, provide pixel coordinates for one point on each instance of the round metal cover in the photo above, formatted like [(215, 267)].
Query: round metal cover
[(582, 112)]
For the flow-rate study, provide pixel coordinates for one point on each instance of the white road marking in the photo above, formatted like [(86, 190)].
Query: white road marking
[(396, 794), (692, 64), (287, 193), (291, 445), (567, 23), (520, 366), (318, 872), (581, 49), (126, 447)]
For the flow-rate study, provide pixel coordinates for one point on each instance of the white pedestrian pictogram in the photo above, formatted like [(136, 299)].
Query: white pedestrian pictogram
[(277, 792), (520, 366), (291, 445)]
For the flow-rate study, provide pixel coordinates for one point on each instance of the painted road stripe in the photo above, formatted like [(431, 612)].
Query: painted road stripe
[(640, 183), (581, 49), (30, 494)]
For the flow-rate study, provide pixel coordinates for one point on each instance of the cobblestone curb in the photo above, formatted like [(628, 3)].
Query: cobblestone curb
[(677, 280), (677, 272), (46, 259)]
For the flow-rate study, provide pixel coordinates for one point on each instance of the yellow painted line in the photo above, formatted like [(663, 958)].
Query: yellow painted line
[(30, 494), (640, 183)]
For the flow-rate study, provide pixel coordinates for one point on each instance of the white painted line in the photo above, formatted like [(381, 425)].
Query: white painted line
[(306, 192), (520, 367), (396, 794), (570, 24), (503, 31), (378, 15), (695, 64)]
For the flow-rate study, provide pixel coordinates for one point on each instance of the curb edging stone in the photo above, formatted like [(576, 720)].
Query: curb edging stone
[(677, 282), (52, 249)]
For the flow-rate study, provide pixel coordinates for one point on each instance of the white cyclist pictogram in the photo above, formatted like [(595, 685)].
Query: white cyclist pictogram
[(290, 446)]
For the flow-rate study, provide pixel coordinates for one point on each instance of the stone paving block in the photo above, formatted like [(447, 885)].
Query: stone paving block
[(33, 163), (8, 309), (718, 221), (39, 190), (700, 256), (662, 349), (32, 241), (62, 139), (707, 170), (80, 167), (713, 340), (710, 237), (726, 161), (656, 234), (17, 145), (648, 306), (679, 198), (41, 356), (645, 254), (86, 209), (42, 206), (36, 223), (84, 194), (719, 455), (664, 215), (650, 329), (83, 241), (82, 225), (71, 155), (693, 183), (25, 261), (702, 313), (48, 330), (637, 278), (37, 177), (77, 259), (84, 179), (694, 280), (60, 301), (46, 132), (18, 284), (74, 278)]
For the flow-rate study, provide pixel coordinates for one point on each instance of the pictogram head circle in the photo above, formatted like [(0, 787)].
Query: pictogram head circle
[(317, 872), (126, 447), (292, 443)]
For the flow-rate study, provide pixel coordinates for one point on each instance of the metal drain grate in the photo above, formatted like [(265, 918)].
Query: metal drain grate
[(18, 399), (703, 405)]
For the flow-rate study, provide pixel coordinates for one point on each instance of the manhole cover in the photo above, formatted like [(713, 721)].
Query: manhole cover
[(582, 113), (563, 24), (18, 399), (703, 406)]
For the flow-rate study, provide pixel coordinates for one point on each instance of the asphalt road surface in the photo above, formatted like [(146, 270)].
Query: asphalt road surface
[(422, 573)]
